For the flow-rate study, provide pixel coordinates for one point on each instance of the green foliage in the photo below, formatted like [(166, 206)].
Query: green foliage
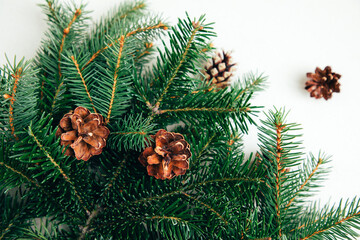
[(18, 81), (132, 132), (67, 25), (12, 216), (114, 70)]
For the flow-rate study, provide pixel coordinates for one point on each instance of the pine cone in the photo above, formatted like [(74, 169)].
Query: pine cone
[(219, 70), (323, 83), (167, 157), (84, 132)]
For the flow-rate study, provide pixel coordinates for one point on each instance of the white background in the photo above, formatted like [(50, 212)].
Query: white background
[(283, 39)]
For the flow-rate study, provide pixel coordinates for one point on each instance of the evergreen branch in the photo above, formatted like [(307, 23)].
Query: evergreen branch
[(83, 81), (309, 224), (183, 57), (145, 52), (279, 128), (194, 162), (205, 109), (34, 183), (256, 180), (122, 41), (192, 186), (252, 83), (55, 96), (89, 220), (52, 10), (116, 175), (6, 230), (135, 8), (12, 100), (52, 160), (42, 89), (20, 173), (131, 132), (177, 219), (333, 225), (207, 206), (320, 161), (138, 6), (65, 33), (128, 133), (144, 29), (157, 197)]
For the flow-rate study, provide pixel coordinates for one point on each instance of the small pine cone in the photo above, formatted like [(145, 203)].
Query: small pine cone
[(83, 132), (167, 157), (323, 83), (219, 70)]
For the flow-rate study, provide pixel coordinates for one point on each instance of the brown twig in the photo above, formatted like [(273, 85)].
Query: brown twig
[(279, 128), (65, 33), (320, 161), (83, 81), (12, 100), (86, 229), (65, 176), (122, 41)]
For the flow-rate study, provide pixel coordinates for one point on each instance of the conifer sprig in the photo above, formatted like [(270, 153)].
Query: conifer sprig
[(18, 104)]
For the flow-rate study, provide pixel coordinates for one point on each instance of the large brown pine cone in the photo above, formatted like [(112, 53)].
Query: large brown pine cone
[(83, 132), (323, 83), (219, 69), (167, 157)]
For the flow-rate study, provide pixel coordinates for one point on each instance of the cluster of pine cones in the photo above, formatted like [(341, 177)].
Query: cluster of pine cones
[(84, 134)]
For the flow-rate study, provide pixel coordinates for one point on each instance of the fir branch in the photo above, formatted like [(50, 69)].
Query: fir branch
[(146, 51), (20, 173), (252, 83), (137, 6), (194, 162), (7, 229), (140, 5), (279, 128), (35, 183), (179, 64), (177, 219), (89, 220), (193, 186), (128, 133), (160, 25), (65, 176), (16, 76), (116, 175), (65, 33), (83, 81), (122, 41), (207, 206), (205, 109), (19, 105), (309, 224), (52, 10), (131, 132), (320, 161), (332, 226), (42, 89), (55, 95)]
